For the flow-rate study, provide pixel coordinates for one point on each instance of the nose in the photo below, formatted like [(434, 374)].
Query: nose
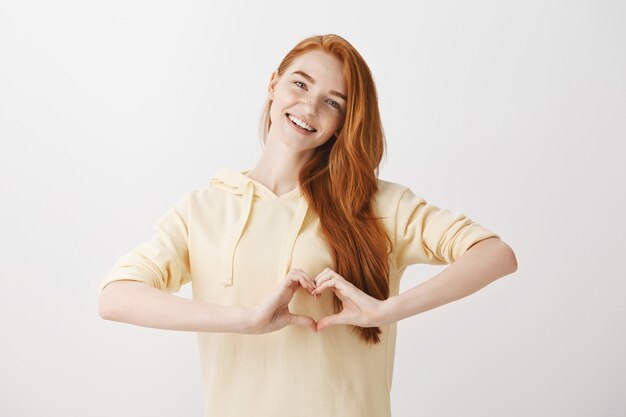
[(309, 107)]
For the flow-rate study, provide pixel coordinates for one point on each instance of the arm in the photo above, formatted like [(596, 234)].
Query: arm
[(140, 304), (486, 261), (138, 290)]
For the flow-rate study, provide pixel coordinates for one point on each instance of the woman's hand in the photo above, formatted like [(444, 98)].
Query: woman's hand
[(359, 308), (273, 313)]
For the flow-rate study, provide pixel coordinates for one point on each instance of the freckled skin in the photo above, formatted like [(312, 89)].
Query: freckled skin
[(294, 94)]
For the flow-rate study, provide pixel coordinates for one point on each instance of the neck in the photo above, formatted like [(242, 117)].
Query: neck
[(279, 176)]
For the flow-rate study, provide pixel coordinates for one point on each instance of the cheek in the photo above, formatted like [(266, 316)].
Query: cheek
[(282, 100), (333, 121), (277, 107)]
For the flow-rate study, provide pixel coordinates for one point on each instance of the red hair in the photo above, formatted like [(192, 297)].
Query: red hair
[(342, 175)]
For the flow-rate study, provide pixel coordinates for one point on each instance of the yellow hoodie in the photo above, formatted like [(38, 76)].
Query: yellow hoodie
[(234, 241)]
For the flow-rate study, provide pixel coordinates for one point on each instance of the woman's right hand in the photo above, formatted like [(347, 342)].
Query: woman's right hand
[(273, 313)]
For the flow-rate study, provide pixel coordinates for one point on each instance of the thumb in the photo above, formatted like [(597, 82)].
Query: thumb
[(305, 321), (329, 321)]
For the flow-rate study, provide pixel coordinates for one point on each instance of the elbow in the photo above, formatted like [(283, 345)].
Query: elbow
[(506, 259), (104, 313), (511, 259), (105, 309)]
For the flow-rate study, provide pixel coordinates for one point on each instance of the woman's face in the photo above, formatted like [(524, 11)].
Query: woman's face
[(310, 90)]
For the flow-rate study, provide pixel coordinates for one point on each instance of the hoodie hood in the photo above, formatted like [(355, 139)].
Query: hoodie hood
[(249, 191)]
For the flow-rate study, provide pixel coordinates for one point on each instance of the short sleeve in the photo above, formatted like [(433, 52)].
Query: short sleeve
[(161, 262), (427, 234)]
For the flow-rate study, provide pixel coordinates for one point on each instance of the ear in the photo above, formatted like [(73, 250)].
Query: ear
[(272, 85)]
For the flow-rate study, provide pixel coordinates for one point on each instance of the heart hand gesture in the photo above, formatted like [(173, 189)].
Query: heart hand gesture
[(273, 314), (359, 308)]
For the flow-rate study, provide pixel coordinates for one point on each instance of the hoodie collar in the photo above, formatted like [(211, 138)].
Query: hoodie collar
[(239, 184), (235, 181)]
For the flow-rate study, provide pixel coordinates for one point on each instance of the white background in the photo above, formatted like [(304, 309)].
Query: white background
[(511, 112)]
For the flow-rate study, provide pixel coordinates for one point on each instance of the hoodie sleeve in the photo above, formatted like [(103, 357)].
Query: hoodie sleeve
[(163, 261), (424, 233)]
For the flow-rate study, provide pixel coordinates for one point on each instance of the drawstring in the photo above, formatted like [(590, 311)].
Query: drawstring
[(248, 194), (292, 233), (229, 249)]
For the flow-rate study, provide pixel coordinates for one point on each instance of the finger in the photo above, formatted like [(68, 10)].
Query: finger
[(305, 281), (323, 276), (305, 321), (290, 279), (303, 273), (308, 279), (294, 277), (330, 283), (330, 321), (290, 284), (309, 282)]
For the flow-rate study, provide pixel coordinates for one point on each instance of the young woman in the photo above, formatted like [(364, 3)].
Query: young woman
[(295, 264)]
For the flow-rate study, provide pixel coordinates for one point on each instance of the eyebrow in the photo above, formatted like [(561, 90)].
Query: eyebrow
[(312, 81)]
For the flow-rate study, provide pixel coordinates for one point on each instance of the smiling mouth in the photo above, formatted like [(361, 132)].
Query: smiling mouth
[(300, 128)]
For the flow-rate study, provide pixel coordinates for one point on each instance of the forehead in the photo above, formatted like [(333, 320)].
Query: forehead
[(323, 67)]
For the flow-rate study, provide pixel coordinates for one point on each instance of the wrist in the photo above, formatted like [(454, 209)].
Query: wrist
[(387, 311)]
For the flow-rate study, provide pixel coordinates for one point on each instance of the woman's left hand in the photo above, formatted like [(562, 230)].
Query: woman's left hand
[(359, 308)]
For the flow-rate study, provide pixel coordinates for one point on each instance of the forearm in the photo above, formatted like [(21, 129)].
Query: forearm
[(140, 304), (485, 262)]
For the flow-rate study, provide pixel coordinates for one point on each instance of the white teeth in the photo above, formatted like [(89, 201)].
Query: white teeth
[(300, 123)]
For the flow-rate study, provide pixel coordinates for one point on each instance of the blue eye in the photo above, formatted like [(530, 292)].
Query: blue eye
[(333, 102)]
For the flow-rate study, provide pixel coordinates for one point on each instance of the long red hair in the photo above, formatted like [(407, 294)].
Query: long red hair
[(342, 175)]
